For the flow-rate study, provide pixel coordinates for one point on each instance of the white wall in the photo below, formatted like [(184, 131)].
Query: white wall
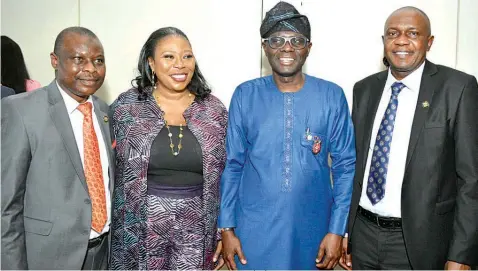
[(224, 43), (467, 57), (346, 35), (34, 25)]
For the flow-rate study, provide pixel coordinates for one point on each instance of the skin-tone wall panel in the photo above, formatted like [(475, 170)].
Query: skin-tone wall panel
[(34, 25), (223, 37)]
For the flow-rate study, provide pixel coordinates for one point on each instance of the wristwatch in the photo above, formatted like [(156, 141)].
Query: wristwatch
[(221, 230)]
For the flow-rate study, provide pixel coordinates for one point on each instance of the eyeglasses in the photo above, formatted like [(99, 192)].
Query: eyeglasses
[(297, 43)]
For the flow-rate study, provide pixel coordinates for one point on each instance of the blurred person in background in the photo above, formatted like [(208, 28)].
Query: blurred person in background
[(6, 91), (14, 71)]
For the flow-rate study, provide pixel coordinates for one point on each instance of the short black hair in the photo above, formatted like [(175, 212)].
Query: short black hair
[(198, 85), (70, 30)]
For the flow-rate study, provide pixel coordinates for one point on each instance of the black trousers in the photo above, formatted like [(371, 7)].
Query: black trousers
[(97, 257), (377, 248)]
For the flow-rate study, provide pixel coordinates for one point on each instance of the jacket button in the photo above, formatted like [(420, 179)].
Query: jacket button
[(87, 201)]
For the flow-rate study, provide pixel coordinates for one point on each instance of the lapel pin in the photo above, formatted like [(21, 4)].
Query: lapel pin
[(105, 118), (425, 104)]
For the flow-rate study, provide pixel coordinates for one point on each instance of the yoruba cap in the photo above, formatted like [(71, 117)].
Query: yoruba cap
[(284, 17)]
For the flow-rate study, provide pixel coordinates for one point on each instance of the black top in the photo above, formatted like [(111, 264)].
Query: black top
[(185, 169)]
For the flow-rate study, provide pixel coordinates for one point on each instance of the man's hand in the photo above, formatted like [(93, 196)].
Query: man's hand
[(217, 255), (346, 259), (329, 251), (456, 266), (231, 247)]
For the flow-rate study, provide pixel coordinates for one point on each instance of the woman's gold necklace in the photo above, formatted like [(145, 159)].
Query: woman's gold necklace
[(180, 136), (170, 135)]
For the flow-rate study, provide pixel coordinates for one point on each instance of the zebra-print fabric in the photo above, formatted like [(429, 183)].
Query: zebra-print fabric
[(135, 125), (175, 233)]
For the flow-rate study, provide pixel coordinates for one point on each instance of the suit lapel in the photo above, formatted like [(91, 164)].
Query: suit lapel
[(61, 120), (374, 94), (427, 88), (103, 121)]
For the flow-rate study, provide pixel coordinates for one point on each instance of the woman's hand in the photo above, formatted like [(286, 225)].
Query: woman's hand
[(218, 256)]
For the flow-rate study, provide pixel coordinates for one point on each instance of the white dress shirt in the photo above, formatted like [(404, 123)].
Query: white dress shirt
[(390, 205), (76, 119)]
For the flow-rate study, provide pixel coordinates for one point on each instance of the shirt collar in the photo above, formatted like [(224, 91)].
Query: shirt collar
[(70, 103), (412, 81)]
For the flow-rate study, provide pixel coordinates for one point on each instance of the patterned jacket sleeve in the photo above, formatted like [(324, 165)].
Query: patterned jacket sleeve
[(118, 209), (224, 118)]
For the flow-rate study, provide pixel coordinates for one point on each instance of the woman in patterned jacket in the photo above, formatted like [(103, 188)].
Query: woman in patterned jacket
[(170, 152)]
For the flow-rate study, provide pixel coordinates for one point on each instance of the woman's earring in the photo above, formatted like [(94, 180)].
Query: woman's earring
[(152, 80)]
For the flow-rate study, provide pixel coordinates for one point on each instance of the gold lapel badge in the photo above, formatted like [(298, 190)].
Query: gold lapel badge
[(425, 104), (105, 118)]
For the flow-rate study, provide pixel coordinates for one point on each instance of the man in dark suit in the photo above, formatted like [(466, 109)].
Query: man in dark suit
[(57, 164), (415, 198)]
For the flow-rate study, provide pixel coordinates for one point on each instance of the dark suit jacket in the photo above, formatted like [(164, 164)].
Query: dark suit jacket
[(440, 186), (46, 209), (6, 91)]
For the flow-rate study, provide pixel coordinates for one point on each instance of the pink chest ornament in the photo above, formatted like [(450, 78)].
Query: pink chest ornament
[(317, 145), (317, 142)]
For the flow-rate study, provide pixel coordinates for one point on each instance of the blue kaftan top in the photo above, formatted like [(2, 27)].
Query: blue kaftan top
[(274, 189)]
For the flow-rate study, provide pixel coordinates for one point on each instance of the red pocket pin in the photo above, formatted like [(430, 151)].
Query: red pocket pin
[(317, 145)]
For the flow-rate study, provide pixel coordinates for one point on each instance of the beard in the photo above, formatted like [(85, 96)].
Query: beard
[(278, 69), (286, 74)]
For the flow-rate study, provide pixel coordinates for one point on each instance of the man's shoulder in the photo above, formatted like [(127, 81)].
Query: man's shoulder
[(256, 83), (31, 107), (103, 105), (371, 78), (6, 91), (452, 74), (324, 83), (27, 99)]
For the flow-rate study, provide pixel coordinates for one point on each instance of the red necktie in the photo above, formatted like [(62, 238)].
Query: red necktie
[(93, 170)]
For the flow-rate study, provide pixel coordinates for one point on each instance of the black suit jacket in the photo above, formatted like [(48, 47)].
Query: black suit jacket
[(440, 186)]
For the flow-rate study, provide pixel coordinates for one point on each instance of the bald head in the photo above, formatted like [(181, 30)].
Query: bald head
[(407, 39), (410, 11), (60, 39), (79, 62)]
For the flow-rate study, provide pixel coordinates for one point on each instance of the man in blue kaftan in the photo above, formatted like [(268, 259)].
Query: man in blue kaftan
[(279, 208)]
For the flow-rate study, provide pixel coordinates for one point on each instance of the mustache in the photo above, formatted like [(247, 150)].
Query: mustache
[(93, 78)]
